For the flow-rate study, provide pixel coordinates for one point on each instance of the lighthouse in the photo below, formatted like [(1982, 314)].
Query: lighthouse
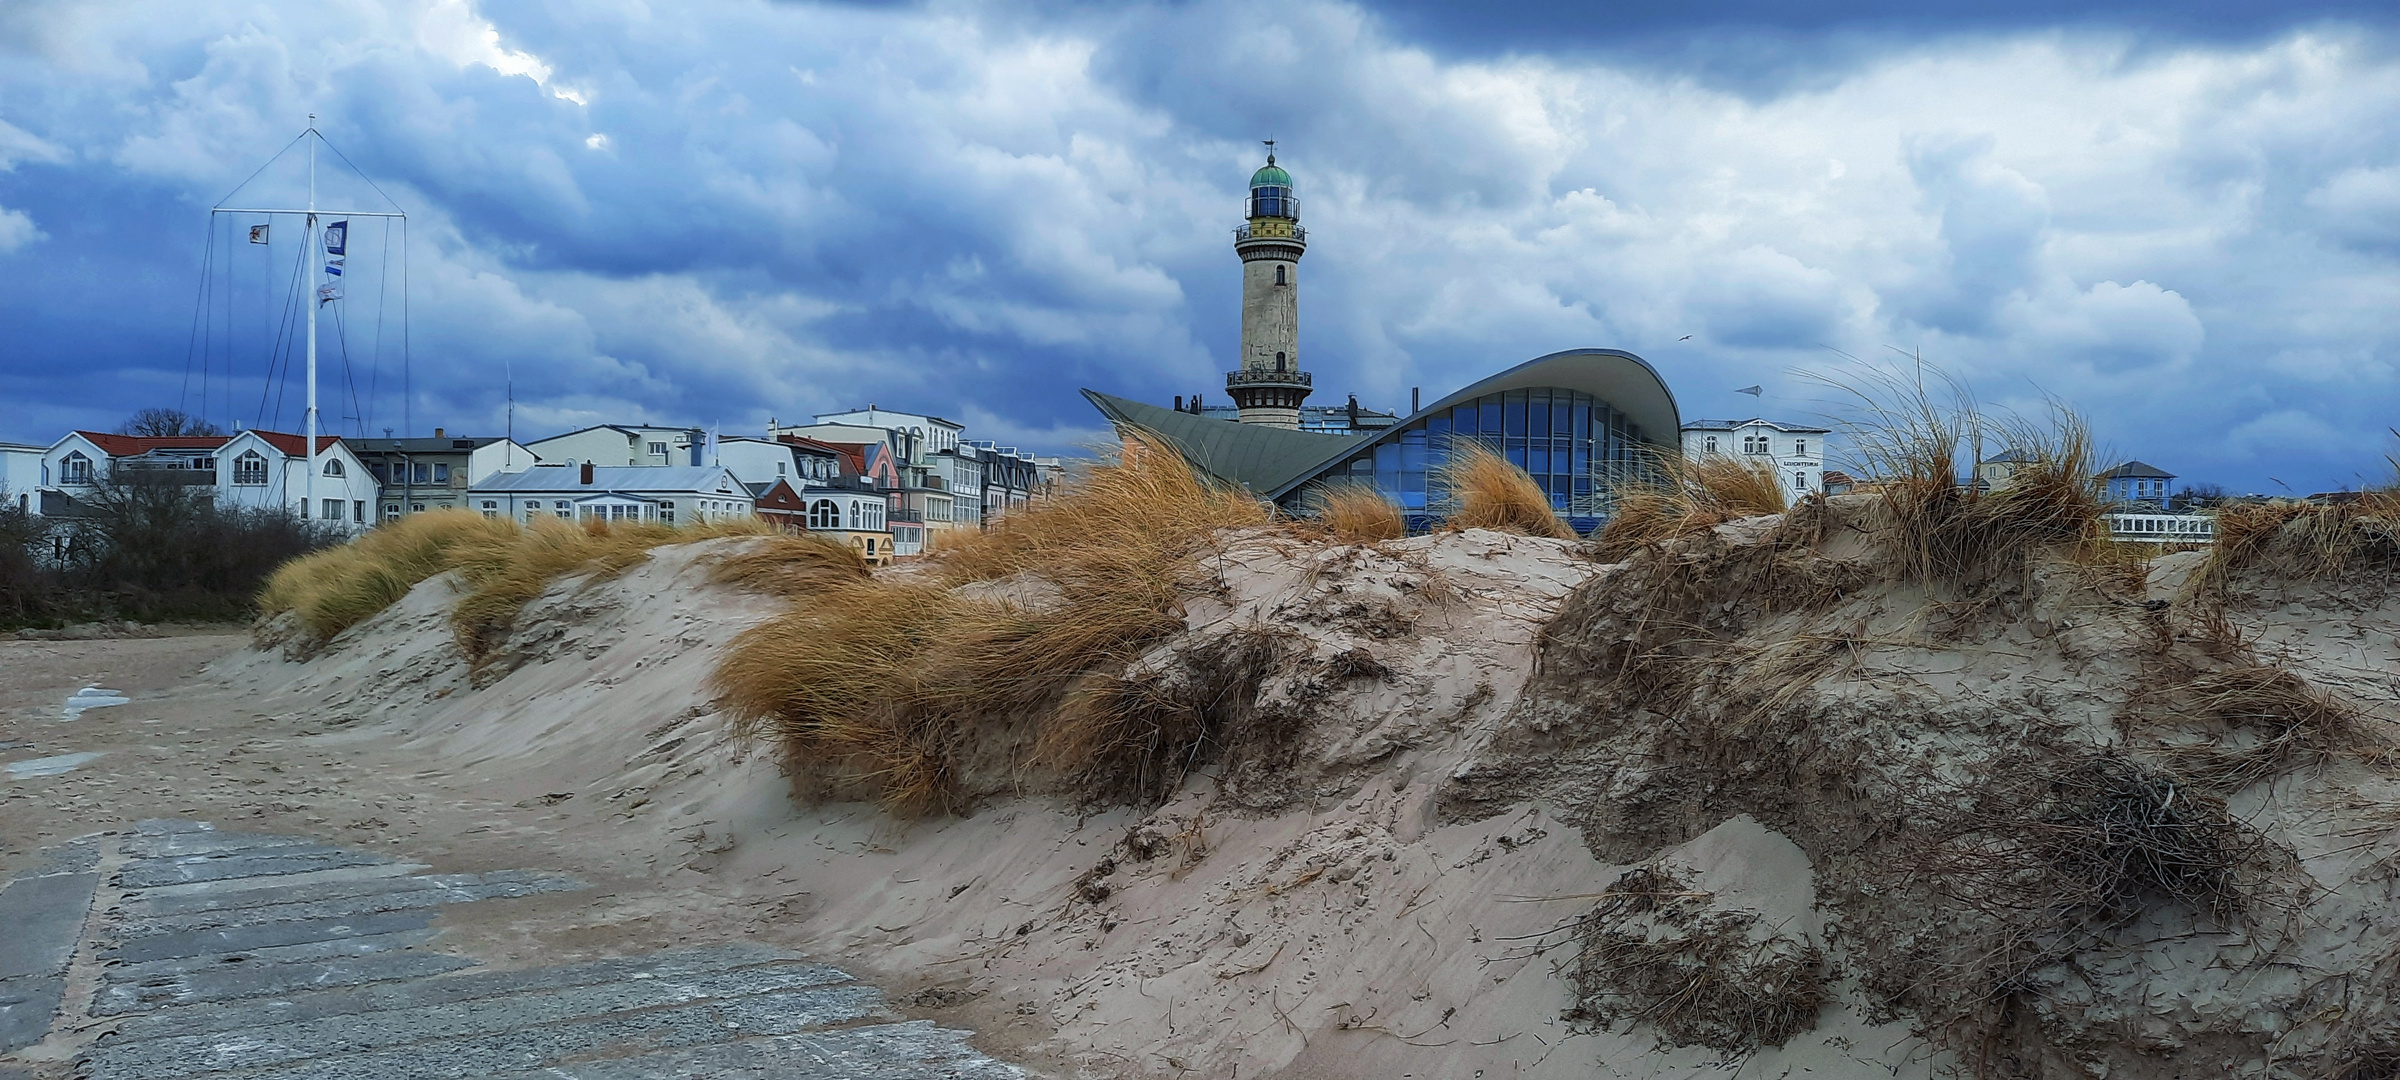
[(1270, 386)]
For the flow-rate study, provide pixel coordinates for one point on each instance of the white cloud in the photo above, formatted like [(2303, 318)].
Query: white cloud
[(16, 230), (452, 29)]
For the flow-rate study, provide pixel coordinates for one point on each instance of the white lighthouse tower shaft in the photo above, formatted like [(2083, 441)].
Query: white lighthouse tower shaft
[(1270, 386)]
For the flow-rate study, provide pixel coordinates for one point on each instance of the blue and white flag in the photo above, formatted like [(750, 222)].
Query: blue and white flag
[(337, 238), (333, 266)]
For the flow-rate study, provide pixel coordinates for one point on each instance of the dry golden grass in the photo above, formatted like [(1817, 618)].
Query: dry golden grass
[(1685, 496), (1490, 493), (1908, 438), (791, 565), (502, 563), (884, 688), (1358, 514), (2303, 542), (338, 588)]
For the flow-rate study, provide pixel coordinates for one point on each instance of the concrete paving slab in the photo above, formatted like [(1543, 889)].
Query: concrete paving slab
[(41, 919), (231, 886), (466, 986), (147, 873), (255, 1047), (363, 898), (541, 1045), (26, 1008), (167, 845), (280, 954), (915, 1050), (236, 939), (233, 982)]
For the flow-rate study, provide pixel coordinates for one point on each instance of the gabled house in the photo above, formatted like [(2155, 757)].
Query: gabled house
[(266, 470), (664, 495), (842, 509), (257, 470), (417, 475)]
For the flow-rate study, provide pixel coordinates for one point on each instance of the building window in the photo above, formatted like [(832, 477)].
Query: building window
[(823, 514), (1279, 361), (1754, 444), (333, 509), (658, 449), (1712, 444), (1279, 274), (1800, 446), (854, 516), (491, 508), (391, 511), (416, 508), (250, 470), (358, 511), (441, 472), (419, 473), (333, 467), (77, 469), (1799, 481), (870, 547), (779, 468)]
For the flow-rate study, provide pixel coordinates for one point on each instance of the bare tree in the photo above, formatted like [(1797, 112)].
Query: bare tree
[(158, 422)]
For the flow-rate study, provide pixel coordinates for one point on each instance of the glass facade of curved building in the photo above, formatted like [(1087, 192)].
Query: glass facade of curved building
[(1576, 446)]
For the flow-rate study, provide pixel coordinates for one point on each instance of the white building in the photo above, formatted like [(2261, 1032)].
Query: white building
[(257, 470), (625, 445), (21, 477), (1797, 452), (665, 495), (932, 434), (764, 461), (419, 475)]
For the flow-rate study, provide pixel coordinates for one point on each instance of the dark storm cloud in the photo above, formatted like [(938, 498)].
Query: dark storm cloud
[(722, 212)]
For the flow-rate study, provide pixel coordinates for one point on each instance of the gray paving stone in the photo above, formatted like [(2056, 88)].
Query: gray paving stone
[(352, 898), (236, 888), (233, 982), (145, 873), (279, 954), (255, 1047), (540, 1045), (166, 826), (41, 918), (915, 1050), (169, 845), (26, 1009), (466, 986), (235, 939)]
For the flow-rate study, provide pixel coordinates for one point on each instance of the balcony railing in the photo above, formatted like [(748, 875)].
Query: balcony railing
[(1241, 233), (1247, 377), (2163, 528)]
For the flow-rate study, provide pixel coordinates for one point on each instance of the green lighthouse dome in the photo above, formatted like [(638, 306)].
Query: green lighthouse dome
[(1271, 192), (1271, 175)]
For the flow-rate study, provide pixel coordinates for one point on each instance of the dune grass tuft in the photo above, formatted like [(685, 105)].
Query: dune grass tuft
[(1912, 427), (892, 689), (503, 564), (1491, 493), (335, 589), (791, 565), (2303, 542), (1357, 514), (1682, 496)]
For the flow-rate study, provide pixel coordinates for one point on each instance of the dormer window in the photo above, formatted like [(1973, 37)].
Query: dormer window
[(75, 469), (250, 470)]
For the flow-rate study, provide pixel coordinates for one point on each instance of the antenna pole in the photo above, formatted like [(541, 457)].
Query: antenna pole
[(316, 263)]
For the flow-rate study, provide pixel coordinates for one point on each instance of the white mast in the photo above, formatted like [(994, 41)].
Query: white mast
[(313, 237), (316, 275)]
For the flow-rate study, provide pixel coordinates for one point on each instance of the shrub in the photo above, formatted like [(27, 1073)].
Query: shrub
[(1491, 493)]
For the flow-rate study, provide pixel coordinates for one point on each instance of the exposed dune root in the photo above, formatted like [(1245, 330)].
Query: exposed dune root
[(1655, 950)]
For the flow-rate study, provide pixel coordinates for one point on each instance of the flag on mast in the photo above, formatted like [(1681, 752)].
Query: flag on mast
[(258, 234), (337, 238)]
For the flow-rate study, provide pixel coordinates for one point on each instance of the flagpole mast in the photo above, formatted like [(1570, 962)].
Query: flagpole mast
[(315, 261)]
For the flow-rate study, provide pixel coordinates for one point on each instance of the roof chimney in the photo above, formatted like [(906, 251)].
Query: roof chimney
[(437, 433), (1179, 403), (587, 474)]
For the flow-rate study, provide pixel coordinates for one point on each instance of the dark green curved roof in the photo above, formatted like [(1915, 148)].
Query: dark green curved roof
[(1271, 175), (1255, 457)]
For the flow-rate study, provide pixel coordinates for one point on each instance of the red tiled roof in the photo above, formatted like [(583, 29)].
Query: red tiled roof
[(295, 445), (129, 445)]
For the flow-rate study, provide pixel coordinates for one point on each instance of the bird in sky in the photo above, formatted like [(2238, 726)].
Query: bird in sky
[(1686, 337)]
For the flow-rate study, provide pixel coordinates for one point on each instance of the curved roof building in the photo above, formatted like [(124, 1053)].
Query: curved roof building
[(1576, 421)]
